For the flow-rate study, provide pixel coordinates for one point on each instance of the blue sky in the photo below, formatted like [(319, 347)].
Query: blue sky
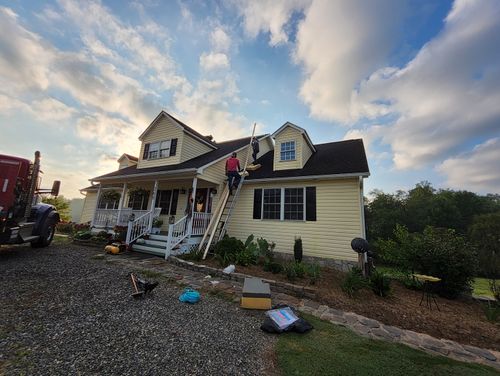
[(419, 81)]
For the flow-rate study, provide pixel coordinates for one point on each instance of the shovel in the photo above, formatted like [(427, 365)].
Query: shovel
[(137, 293)]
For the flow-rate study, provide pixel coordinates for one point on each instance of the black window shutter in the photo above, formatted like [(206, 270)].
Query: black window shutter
[(173, 146), (257, 203), (146, 151), (175, 197), (310, 203)]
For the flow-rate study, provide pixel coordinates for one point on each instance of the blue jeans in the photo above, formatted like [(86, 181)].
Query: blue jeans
[(233, 179)]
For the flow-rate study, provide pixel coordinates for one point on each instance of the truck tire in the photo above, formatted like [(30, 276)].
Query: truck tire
[(46, 234)]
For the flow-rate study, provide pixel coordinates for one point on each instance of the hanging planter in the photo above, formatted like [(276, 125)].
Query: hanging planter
[(111, 195), (137, 192)]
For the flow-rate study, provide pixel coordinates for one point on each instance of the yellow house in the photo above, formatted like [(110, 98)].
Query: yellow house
[(302, 190)]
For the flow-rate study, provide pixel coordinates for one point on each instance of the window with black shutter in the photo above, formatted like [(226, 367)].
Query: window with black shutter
[(173, 147), (310, 203), (146, 151), (257, 204)]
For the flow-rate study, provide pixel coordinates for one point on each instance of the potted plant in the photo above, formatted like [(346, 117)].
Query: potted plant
[(157, 223)]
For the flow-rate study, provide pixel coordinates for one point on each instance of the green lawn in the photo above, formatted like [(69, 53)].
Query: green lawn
[(333, 350), (480, 285)]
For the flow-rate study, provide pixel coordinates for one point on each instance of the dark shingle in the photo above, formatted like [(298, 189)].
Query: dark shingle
[(342, 157)]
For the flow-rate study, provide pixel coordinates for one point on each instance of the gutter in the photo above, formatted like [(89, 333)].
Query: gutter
[(306, 177), (174, 172)]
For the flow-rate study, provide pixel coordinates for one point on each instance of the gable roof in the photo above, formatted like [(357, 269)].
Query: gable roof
[(129, 157), (184, 127), (224, 149), (333, 158), (300, 129)]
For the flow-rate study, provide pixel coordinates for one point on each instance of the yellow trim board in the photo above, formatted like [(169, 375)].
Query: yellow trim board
[(256, 303)]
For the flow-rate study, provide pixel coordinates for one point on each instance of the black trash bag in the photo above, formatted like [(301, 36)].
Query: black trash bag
[(299, 326)]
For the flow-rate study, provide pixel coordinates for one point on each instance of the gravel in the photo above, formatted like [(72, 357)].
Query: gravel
[(63, 312)]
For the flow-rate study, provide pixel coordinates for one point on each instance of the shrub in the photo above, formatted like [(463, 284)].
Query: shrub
[(313, 271), (65, 228), (483, 233), (380, 284), (83, 235), (492, 312), (227, 249), (82, 226), (353, 282), (297, 250), (289, 271), (273, 267), (103, 235), (245, 258), (194, 254), (436, 252)]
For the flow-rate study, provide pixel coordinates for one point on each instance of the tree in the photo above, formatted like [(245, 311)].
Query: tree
[(62, 205), (383, 213), (484, 233)]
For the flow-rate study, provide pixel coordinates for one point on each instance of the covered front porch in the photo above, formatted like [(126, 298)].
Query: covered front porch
[(177, 207)]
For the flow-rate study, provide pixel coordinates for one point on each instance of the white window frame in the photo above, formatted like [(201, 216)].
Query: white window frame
[(282, 206), (161, 148), (290, 146)]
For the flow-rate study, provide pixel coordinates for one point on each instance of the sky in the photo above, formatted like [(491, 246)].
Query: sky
[(419, 81)]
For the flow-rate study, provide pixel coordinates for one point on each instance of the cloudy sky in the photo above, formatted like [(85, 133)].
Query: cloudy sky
[(419, 81)]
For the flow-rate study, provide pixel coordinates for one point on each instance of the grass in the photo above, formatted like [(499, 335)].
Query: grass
[(333, 350), (480, 286)]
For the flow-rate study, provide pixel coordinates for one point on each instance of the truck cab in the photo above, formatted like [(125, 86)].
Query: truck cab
[(22, 219)]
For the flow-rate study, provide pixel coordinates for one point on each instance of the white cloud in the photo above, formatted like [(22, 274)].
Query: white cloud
[(52, 110), (220, 40), (213, 61), (339, 43), (477, 170), (448, 94), (269, 16)]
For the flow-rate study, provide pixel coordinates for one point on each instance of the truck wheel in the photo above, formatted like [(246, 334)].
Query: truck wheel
[(46, 234)]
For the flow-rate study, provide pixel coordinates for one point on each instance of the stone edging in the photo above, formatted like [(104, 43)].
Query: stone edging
[(375, 329), (284, 287)]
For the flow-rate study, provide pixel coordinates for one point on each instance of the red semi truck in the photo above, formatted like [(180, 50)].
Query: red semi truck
[(22, 218)]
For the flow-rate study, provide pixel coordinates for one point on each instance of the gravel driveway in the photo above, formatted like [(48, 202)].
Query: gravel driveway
[(62, 312)]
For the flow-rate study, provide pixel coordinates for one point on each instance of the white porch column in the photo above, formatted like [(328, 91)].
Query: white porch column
[(153, 203), (193, 203), (120, 203), (96, 205)]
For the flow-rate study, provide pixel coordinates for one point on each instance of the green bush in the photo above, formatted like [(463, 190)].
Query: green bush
[(492, 312), (380, 284), (289, 271), (484, 233), (227, 250), (83, 235), (273, 267), (65, 228), (297, 250), (313, 271), (245, 258), (436, 252), (353, 282), (103, 235)]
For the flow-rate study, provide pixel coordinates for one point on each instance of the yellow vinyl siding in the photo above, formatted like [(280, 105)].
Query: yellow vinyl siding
[(216, 173), (192, 148), (288, 134), (164, 129), (338, 219), (88, 207), (306, 151)]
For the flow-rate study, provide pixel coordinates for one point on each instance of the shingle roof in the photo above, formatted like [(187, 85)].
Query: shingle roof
[(131, 157), (223, 148), (342, 157)]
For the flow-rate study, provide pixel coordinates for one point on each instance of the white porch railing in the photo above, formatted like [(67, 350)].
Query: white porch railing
[(177, 232), (141, 225), (200, 223), (113, 217)]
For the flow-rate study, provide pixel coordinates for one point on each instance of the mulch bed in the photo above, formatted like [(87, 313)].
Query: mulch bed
[(461, 320)]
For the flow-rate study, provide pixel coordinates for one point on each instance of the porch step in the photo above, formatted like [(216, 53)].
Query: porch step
[(162, 238), (149, 249), (157, 243)]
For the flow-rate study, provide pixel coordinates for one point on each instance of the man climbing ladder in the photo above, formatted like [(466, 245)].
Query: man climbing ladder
[(233, 172)]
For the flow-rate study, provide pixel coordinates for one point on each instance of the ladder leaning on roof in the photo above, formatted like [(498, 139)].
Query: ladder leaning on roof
[(218, 224)]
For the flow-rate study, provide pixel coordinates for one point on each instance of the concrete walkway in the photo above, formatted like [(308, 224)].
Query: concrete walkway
[(212, 280)]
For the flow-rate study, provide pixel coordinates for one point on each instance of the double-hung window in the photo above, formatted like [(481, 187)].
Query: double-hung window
[(287, 151), (160, 149), (285, 204), (167, 201)]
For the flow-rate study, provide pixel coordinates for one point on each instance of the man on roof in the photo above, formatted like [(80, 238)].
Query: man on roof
[(232, 172)]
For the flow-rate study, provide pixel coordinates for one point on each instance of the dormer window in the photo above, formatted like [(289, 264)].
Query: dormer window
[(288, 151), (160, 149)]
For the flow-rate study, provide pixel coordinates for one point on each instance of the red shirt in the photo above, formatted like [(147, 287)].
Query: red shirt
[(232, 164)]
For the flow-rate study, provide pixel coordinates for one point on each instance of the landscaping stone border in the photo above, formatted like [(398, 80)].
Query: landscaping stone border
[(284, 287), (360, 324), (374, 329)]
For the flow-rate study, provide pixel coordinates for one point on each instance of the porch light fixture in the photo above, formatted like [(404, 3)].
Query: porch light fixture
[(213, 192)]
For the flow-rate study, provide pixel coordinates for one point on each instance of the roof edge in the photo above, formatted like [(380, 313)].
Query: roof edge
[(316, 177)]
